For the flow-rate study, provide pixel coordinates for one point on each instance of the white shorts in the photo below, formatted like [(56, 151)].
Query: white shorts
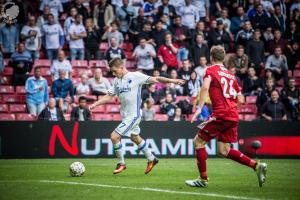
[(129, 127)]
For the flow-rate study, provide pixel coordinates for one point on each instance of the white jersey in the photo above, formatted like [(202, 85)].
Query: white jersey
[(76, 29), (52, 32), (128, 89)]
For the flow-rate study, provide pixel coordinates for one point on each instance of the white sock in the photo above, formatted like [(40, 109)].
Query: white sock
[(144, 148), (119, 152)]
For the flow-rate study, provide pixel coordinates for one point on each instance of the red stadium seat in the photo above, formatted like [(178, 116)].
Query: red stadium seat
[(11, 98), (77, 72), (298, 65), (104, 46), (3, 108), (112, 108), (7, 71), (17, 108), (6, 80), (42, 63), (79, 63), (297, 73), (7, 117), (45, 71), (251, 99), (128, 55), (248, 108), (117, 117), (97, 63), (297, 82), (161, 117), (157, 108), (6, 89), (99, 109), (130, 64), (76, 81), (290, 73), (127, 46), (102, 117), (181, 98), (25, 117), (249, 117), (21, 90), (241, 117)]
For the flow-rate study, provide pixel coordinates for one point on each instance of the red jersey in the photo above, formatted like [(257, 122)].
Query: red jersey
[(223, 93), (169, 57)]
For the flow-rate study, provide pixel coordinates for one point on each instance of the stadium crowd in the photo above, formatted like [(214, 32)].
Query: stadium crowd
[(54, 56)]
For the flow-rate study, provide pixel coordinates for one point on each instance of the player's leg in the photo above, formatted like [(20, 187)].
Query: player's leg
[(116, 140), (142, 146)]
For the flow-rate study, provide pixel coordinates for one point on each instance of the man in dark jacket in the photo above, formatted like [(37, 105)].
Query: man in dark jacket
[(166, 8), (200, 49), (274, 109), (51, 113), (81, 113), (220, 36), (290, 96)]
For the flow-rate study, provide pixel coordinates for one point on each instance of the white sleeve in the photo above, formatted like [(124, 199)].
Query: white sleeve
[(141, 78), (112, 90)]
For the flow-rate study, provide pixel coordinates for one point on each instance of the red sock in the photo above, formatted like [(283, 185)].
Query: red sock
[(241, 158), (201, 157)]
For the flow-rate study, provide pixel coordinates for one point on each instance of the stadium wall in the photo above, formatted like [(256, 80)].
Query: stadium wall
[(166, 139)]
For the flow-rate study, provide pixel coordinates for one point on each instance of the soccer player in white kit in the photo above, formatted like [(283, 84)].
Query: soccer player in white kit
[(127, 86)]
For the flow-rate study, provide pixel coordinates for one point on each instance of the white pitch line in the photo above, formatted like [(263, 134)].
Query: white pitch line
[(137, 188)]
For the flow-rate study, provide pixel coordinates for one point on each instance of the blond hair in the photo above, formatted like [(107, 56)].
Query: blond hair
[(115, 62), (217, 53)]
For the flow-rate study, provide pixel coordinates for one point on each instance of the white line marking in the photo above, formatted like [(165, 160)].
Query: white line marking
[(139, 188)]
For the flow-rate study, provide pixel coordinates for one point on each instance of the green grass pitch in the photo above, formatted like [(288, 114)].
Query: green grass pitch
[(49, 179)]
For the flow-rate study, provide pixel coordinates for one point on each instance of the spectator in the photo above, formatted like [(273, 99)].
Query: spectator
[(136, 26), (193, 85), (278, 19), (265, 94), (151, 92), (148, 110), (43, 19), (147, 33), (200, 49), (203, 9), (295, 6), (252, 84), (92, 41), (201, 68), (274, 109), (55, 7), (149, 9), (22, 64), (167, 52), (36, 93), (178, 115), (81, 113), (260, 19), (76, 34), (278, 41), (103, 15), (124, 15), (239, 61), (61, 88), (114, 51), (267, 6), (185, 72), (268, 35), (278, 64), (292, 33), (99, 84), (61, 64), (9, 39), (144, 54), (189, 14), (244, 35), (256, 51), (168, 107), (224, 19), (220, 36), (179, 89), (200, 29), (51, 112), (167, 9), (293, 54), (237, 22), (82, 8), (83, 88), (53, 37), (290, 98), (113, 32), (158, 34), (70, 20), (31, 34)]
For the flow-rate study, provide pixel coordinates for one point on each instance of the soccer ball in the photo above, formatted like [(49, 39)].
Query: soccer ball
[(77, 169)]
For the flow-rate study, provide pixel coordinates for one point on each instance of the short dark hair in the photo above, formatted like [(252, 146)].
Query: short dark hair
[(82, 98)]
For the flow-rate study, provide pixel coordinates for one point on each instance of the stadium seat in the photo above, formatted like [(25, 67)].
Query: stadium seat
[(127, 46), (104, 46), (251, 99), (76, 81), (297, 82), (11, 98), (102, 117), (3, 108), (248, 108), (7, 71), (25, 117), (290, 73), (241, 117), (79, 63), (112, 108), (297, 65), (249, 117), (297, 73), (97, 63), (157, 108), (7, 117), (6, 89), (20, 90), (181, 98), (77, 72), (6, 80), (45, 71), (128, 55), (161, 117), (116, 117), (130, 64), (42, 63), (99, 109), (17, 108)]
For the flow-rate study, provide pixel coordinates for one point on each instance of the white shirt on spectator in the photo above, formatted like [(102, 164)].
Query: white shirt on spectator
[(76, 29), (52, 32), (31, 43), (145, 61), (82, 89), (189, 15), (201, 5), (65, 65), (200, 72), (67, 24), (55, 7), (100, 87)]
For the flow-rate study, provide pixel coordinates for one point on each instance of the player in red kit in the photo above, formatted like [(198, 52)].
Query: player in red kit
[(225, 95)]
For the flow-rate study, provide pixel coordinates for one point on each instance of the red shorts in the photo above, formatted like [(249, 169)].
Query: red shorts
[(224, 131)]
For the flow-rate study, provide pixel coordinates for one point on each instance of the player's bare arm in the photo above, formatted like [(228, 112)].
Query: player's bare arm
[(161, 79), (203, 95), (104, 100)]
